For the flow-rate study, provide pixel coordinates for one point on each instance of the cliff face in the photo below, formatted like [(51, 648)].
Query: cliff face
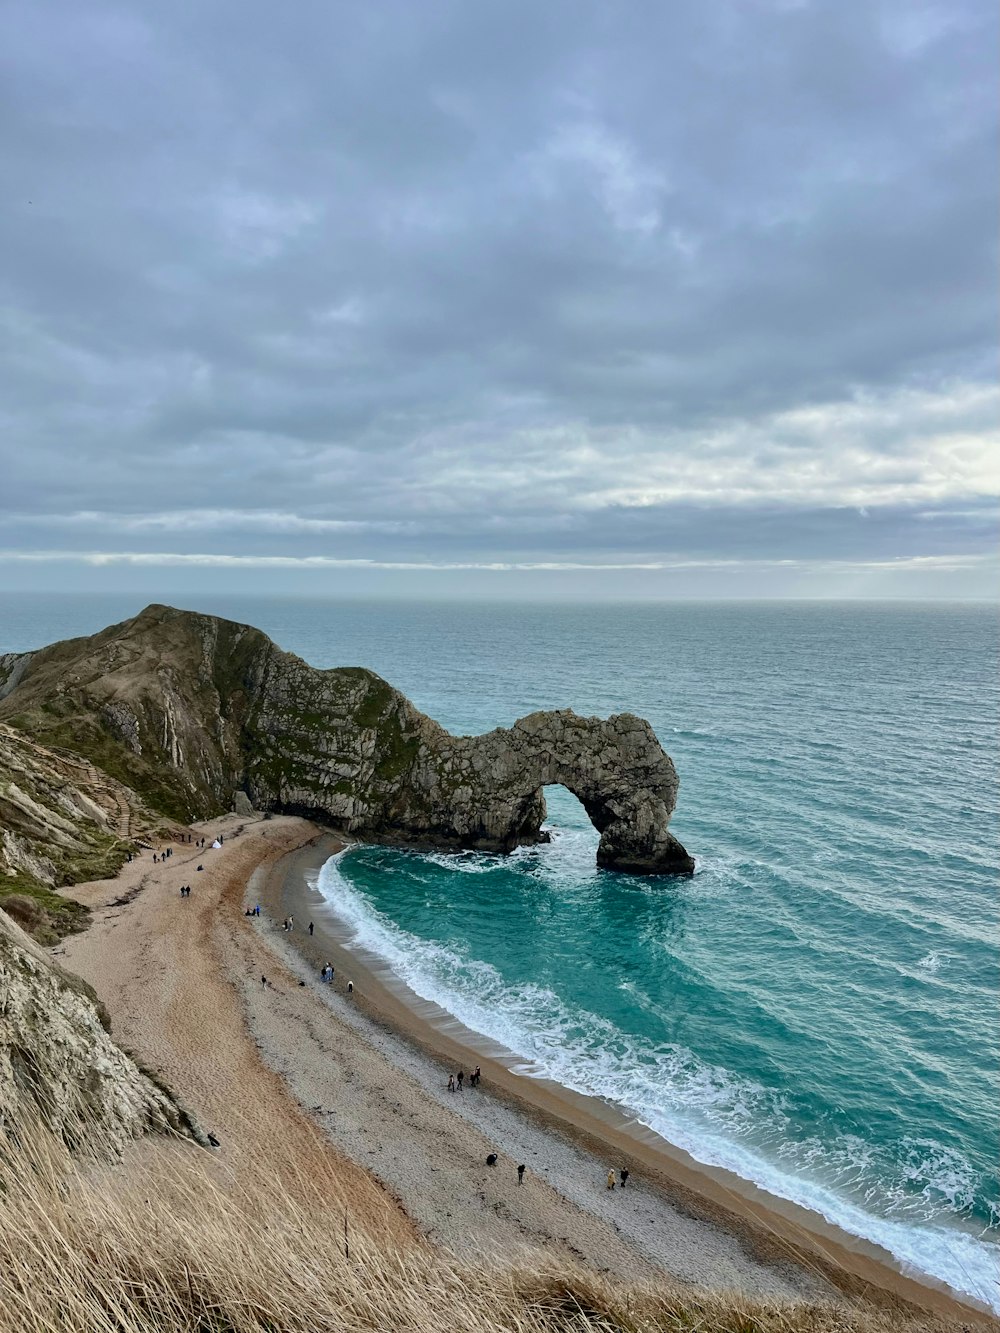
[(58, 1063), (61, 821), (189, 710)]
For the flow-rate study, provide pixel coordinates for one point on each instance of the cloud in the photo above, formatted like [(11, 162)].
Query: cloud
[(629, 190), (174, 559), (500, 283)]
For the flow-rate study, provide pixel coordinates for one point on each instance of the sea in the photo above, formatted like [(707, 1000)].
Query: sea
[(816, 1008)]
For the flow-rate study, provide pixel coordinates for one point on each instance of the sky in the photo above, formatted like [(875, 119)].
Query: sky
[(559, 298)]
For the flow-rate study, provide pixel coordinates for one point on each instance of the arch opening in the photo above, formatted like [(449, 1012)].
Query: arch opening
[(563, 809)]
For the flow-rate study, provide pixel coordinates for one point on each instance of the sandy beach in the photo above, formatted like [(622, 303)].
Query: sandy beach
[(329, 1081)]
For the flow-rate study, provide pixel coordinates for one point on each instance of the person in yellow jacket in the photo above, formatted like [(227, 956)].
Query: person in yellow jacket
[(611, 1180)]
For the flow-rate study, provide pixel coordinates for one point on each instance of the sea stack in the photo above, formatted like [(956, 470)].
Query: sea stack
[(190, 711)]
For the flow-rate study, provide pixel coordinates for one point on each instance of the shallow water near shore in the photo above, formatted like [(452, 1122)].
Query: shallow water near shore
[(815, 1008)]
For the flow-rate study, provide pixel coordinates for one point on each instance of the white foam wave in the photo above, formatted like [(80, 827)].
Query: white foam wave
[(465, 863), (721, 1120)]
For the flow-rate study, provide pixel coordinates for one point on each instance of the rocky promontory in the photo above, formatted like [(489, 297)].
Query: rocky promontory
[(196, 714)]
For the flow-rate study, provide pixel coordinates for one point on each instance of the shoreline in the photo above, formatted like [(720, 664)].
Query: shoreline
[(774, 1232)]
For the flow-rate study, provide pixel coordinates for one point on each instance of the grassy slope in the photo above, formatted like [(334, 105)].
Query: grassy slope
[(169, 1245)]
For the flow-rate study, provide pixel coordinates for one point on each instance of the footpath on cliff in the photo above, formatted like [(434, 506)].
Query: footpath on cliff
[(276, 1074)]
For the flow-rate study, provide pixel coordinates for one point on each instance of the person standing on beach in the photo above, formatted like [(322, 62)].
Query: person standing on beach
[(461, 1079), (451, 1082), (611, 1180), (310, 927), (623, 1174), (263, 981), (520, 1174)]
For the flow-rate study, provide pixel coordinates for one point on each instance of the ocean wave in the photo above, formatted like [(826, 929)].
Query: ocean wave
[(466, 862), (909, 1200)]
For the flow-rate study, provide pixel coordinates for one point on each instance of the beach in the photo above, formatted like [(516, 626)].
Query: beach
[(322, 1079)]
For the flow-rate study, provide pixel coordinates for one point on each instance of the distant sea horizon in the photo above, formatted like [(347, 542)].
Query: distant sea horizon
[(816, 1008)]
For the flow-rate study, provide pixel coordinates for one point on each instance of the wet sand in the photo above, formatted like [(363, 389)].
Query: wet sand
[(326, 1081)]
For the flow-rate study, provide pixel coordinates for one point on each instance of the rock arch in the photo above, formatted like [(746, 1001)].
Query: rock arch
[(616, 769)]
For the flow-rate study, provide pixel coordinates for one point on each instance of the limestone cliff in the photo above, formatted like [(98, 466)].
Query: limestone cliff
[(61, 821), (58, 1063), (190, 710)]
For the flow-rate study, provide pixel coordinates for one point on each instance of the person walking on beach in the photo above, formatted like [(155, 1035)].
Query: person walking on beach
[(611, 1180), (461, 1079), (623, 1174), (310, 927), (451, 1082), (477, 1076), (263, 982), (520, 1174)]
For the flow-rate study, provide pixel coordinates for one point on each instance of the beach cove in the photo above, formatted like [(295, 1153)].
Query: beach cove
[(322, 1080)]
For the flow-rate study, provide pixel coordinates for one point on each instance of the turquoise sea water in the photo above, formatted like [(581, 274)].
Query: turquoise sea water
[(816, 1009)]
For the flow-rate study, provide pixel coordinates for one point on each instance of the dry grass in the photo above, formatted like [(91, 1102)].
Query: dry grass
[(172, 1243)]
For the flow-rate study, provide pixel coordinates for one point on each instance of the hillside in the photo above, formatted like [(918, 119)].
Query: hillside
[(61, 821)]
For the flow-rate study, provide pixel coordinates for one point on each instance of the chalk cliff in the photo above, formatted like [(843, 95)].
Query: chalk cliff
[(190, 711), (58, 1063)]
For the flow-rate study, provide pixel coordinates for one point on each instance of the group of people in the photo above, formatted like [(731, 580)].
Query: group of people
[(456, 1082), (185, 890), (623, 1176), (326, 975), (288, 923), (166, 852), (252, 911)]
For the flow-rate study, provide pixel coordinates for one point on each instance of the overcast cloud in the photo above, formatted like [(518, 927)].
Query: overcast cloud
[(624, 295)]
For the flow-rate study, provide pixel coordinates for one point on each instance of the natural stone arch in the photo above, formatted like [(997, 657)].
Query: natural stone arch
[(487, 791)]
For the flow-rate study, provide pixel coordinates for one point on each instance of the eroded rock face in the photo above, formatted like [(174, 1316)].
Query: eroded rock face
[(189, 709), (58, 1063), (62, 820)]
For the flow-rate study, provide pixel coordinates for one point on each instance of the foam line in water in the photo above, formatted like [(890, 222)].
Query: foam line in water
[(703, 1109)]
